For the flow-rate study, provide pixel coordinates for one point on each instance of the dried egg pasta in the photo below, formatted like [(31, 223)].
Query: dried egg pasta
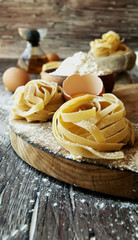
[(109, 44), (93, 126), (37, 101)]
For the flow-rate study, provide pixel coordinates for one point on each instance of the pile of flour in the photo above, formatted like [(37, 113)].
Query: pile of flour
[(80, 63)]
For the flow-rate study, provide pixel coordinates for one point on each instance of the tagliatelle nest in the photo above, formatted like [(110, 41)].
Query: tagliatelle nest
[(93, 127), (37, 101), (109, 44)]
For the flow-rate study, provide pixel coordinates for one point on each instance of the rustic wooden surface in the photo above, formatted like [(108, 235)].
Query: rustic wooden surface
[(34, 206), (71, 24), (117, 178)]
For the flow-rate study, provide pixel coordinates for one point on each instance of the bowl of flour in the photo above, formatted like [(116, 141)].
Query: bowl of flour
[(80, 63)]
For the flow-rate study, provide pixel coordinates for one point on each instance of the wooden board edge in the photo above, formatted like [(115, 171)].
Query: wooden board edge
[(91, 177)]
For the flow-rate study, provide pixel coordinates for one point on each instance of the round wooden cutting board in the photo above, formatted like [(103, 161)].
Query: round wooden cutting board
[(36, 145)]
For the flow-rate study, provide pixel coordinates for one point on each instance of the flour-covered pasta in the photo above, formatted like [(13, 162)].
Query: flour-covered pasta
[(110, 43), (93, 126), (37, 101)]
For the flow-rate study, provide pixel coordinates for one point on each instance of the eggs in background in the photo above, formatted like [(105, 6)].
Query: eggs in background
[(52, 57)]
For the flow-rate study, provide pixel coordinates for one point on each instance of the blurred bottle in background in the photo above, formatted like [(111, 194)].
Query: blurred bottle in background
[(33, 57)]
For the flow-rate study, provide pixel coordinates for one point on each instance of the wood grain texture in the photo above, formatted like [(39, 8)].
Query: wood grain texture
[(36, 206), (71, 24)]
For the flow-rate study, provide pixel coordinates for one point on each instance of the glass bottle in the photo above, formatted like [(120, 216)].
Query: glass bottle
[(33, 57)]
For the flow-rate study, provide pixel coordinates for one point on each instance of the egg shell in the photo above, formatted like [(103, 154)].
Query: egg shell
[(108, 79), (14, 77), (84, 84)]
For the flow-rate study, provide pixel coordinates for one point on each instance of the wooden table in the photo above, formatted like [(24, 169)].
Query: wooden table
[(35, 206)]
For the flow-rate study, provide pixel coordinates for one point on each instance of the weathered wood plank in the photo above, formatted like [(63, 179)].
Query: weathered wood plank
[(71, 24)]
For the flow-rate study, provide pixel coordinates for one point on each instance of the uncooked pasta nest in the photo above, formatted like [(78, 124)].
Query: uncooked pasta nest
[(108, 45), (37, 101), (93, 127)]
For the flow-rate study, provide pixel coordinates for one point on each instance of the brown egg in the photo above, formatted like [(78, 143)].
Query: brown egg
[(77, 85), (14, 77), (53, 57)]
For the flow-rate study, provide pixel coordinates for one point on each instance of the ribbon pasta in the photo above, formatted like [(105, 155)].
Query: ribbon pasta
[(37, 101), (109, 44), (93, 126)]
